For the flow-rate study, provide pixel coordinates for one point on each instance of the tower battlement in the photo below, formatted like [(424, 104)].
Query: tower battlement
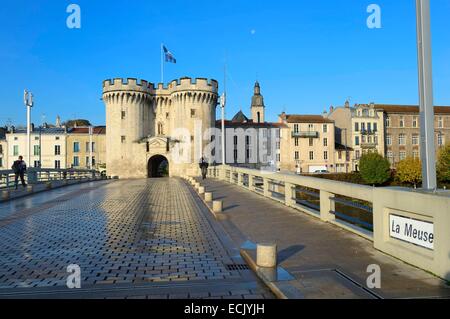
[(143, 86), (129, 84)]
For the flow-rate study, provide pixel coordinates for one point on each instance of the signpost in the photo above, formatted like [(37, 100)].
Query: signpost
[(413, 231)]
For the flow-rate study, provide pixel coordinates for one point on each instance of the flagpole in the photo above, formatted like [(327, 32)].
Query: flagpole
[(162, 63)]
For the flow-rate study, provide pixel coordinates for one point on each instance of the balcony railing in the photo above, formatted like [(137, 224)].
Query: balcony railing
[(368, 145), (306, 134)]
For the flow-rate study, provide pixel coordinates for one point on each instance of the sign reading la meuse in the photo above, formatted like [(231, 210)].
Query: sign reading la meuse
[(413, 231)]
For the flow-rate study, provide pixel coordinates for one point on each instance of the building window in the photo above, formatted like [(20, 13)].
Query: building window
[(357, 140), (235, 155), (363, 127), (440, 139), (415, 154), (16, 150), (369, 127), (247, 140), (311, 142), (325, 155), (192, 112), (278, 158), (388, 122), (325, 142), (375, 127), (57, 150), (402, 121), (389, 139), (402, 139), (57, 164), (76, 147), (325, 128), (402, 155), (1, 149), (235, 140), (415, 139), (122, 139), (76, 161), (340, 155), (357, 154), (295, 128), (123, 115), (57, 138), (311, 127), (296, 141), (297, 155), (375, 140), (440, 122), (37, 164), (356, 127), (311, 155), (160, 129), (415, 122), (1, 161), (36, 150), (363, 139), (390, 156)]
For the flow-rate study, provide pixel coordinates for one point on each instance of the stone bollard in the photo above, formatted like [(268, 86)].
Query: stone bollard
[(5, 195), (217, 206), (266, 255), (208, 197), (30, 188), (201, 190)]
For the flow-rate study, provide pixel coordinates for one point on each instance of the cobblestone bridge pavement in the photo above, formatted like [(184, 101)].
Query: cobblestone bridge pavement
[(131, 239)]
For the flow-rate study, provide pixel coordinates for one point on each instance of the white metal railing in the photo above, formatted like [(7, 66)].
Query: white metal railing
[(41, 175)]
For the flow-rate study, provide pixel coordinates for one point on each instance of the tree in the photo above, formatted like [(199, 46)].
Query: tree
[(443, 166), (409, 171), (374, 168), (77, 122)]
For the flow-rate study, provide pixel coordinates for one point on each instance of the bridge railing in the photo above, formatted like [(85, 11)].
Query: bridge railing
[(42, 175), (394, 218)]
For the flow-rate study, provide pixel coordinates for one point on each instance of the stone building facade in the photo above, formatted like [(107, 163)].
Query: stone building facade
[(79, 144), (402, 124), (150, 126), (307, 143)]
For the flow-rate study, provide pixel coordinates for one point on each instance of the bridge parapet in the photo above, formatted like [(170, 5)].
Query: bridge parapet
[(408, 224)]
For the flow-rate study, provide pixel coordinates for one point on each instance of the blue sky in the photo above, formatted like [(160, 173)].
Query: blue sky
[(307, 55)]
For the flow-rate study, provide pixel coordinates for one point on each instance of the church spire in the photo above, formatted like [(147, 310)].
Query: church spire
[(257, 107)]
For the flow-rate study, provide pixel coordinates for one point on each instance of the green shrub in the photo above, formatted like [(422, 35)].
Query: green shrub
[(374, 169)]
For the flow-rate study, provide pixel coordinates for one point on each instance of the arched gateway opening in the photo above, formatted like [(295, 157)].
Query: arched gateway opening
[(158, 166)]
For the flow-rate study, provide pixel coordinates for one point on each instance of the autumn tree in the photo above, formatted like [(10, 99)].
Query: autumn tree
[(443, 166), (409, 171), (374, 168)]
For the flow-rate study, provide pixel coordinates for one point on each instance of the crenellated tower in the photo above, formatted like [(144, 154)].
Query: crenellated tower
[(142, 121)]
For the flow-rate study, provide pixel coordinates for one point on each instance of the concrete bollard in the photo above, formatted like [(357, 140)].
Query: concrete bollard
[(266, 255), (5, 195), (30, 188), (201, 190), (208, 197), (217, 206)]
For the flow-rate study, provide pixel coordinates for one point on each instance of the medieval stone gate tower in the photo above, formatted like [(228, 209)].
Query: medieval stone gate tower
[(143, 120)]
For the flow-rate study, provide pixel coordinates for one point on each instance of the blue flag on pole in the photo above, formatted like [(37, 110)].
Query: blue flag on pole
[(169, 56)]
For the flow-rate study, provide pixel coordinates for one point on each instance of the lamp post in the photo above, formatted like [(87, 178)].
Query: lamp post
[(222, 106), (428, 152), (28, 101)]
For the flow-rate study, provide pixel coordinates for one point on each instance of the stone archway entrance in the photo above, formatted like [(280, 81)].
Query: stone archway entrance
[(158, 166)]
